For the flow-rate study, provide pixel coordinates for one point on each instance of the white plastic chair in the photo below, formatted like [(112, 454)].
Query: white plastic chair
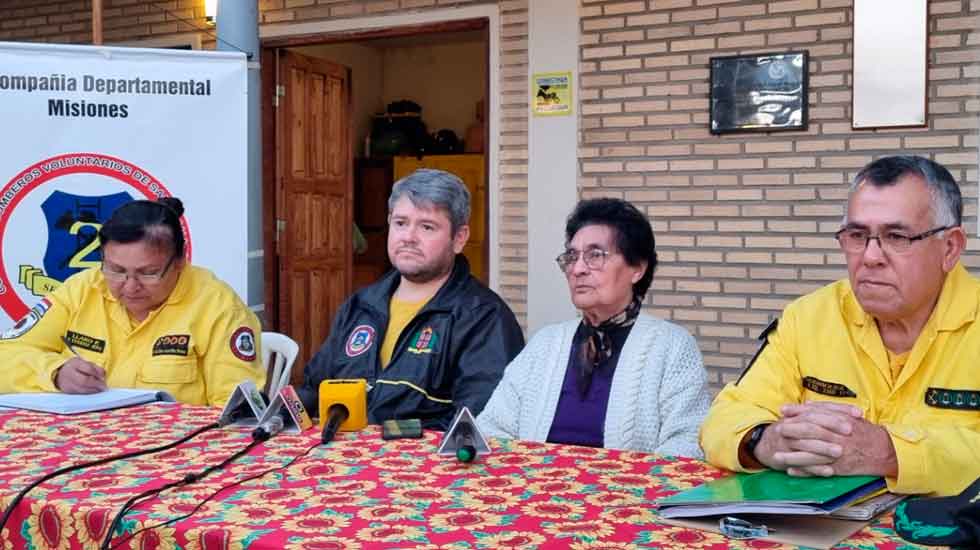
[(285, 349)]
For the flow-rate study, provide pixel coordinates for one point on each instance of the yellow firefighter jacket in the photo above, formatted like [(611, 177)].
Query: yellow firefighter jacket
[(826, 348), (197, 346)]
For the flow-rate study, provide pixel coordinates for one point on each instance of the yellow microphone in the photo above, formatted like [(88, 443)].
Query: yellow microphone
[(343, 406)]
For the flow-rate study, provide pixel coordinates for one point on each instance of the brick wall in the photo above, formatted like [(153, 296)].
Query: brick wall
[(69, 21), (744, 221)]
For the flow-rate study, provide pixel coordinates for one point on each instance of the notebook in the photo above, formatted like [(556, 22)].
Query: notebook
[(806, 531), (65, 403), (868, 508), (770, 492)]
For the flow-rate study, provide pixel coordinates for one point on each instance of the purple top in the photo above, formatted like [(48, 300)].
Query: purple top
[(581, 421)]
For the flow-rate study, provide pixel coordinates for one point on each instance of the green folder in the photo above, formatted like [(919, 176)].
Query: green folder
[(769, 492)]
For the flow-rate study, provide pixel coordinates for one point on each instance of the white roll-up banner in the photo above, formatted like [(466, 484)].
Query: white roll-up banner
[(88, 128)]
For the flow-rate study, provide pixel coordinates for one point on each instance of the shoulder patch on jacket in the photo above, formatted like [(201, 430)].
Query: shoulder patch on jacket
[(360, 340), (28, 321), (243, 344), (822, 387), (764, 336), (943, 398)]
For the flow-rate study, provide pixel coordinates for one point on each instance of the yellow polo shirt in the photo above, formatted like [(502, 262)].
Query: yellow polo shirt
[(826, 348), (400, 314), (198, 345)]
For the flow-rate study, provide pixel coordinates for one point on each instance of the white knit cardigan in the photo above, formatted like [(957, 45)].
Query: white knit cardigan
[(658, 399)]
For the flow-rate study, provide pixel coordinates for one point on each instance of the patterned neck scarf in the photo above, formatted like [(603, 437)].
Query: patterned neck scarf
[(597, 346)]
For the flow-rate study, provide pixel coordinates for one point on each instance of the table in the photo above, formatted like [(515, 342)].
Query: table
[(359, 492)]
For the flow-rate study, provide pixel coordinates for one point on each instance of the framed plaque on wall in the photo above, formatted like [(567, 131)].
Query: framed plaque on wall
[(759, 92)]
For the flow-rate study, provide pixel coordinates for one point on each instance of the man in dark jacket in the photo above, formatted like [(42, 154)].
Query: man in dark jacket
[(428, 337)]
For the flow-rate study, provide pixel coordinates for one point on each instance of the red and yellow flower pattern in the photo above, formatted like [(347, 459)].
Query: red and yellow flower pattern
[(50, 526), (326, 521), (322, 543), (357, 493), (216, 537), (497, 502)]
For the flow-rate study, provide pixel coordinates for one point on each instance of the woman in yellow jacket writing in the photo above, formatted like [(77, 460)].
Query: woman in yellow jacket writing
[(145, 319)]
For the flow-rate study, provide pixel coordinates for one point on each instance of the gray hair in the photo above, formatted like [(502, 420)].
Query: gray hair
[(947, 203), (430, 188)]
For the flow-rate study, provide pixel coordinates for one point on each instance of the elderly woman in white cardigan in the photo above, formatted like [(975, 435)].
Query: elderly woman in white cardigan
[(617, 377)]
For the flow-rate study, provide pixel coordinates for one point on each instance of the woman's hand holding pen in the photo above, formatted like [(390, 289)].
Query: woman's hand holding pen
[(77, 375)]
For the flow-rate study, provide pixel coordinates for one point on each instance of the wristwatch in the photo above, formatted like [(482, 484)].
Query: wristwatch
[(755, 436)]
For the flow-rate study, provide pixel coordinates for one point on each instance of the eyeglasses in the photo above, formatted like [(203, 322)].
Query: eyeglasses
[(856, 240), (594, 258), (142, 278)]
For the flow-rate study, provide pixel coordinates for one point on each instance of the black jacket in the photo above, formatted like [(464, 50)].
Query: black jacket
[(451, 354)]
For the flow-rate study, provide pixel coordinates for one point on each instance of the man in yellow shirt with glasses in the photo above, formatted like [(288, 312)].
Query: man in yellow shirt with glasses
[(146, 319), (875, 374)]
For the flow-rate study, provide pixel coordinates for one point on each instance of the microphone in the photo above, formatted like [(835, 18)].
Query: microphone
[(246, 403), (337, 415), (269, 428), (463, 440), (343, 407), (241, 412)]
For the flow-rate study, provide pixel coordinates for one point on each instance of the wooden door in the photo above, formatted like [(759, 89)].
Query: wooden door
[(314, 199)]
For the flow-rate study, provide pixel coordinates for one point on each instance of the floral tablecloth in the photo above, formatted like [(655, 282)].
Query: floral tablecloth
[(358, 492)]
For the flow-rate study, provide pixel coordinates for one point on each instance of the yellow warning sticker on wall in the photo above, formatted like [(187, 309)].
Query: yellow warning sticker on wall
[(551, 94)]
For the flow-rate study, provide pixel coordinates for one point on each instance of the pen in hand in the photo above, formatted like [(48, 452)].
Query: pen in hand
[(78, 375), (70, 347)]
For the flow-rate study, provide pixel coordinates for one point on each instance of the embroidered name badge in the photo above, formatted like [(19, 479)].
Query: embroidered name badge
[(827, 388), (28, 321), (359, 341), (172, 344), (83, 341), (943, 398), (425, 341), (243, 344)]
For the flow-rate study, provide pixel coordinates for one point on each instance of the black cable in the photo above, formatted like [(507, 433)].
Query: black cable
[(195, 27), (214, 494), (20, 496), (186, 480)]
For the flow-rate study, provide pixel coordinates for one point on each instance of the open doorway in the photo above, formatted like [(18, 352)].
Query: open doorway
[(415, 97), (418, 101)]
